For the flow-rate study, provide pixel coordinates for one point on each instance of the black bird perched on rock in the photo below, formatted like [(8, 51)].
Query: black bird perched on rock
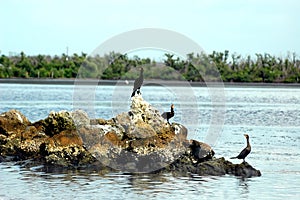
[(169, 115), (244, 153), (138, 83)]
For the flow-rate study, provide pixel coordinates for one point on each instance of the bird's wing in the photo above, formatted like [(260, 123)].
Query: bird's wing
[(138, 83), (164, 115), (243, 153), (135, 85)]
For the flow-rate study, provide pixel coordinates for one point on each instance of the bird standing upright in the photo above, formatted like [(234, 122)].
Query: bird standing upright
[(138, 83), (244, 153), (169, 115)]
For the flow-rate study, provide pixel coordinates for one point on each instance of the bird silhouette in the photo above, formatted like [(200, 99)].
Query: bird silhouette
[(138, 83), (169, 115), (244, 153)]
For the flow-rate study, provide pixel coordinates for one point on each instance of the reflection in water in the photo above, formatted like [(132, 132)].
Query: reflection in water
[(146, 181), (98, 183), (243, 185)]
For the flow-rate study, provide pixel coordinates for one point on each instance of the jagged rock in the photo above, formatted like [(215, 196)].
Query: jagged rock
[(97, 121), (80, 118), (140, 130), (244, 169), (139, 140), (65, 149), (57, 122), (31, 140), (201, 151), (221, 167), (142, 110), (13, 122), (213, 167)]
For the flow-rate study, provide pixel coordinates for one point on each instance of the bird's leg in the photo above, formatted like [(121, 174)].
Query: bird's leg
[(138, 91)]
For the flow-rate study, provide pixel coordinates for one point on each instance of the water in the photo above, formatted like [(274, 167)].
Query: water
[(269, 115)]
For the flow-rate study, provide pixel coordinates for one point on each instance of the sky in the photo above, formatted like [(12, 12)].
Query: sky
[(245, 27)]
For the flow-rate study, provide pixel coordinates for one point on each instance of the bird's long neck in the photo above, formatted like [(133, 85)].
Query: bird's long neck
[(172, 110), (248, 143)]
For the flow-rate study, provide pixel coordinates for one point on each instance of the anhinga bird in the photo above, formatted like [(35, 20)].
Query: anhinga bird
[(244, 153), (138, 83), (169, 115)]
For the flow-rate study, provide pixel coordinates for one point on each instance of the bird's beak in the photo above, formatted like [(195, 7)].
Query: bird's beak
[(245, 135)]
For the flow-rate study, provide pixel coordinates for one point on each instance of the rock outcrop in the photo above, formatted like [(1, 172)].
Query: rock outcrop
[(139, 140)]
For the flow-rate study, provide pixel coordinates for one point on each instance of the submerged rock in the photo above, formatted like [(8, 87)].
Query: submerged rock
[(139, 140), (220, 166)]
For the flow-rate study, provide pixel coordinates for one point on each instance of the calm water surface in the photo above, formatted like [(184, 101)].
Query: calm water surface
[(271, 116)]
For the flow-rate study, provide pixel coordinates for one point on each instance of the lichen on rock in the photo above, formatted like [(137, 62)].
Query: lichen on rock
[(57, 122)]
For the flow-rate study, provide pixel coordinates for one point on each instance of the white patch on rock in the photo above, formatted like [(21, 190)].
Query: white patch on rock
[(106, 128), (177, 129), (19, 117)]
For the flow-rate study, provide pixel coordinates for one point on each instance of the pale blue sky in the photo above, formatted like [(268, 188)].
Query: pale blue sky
[(242, 26)]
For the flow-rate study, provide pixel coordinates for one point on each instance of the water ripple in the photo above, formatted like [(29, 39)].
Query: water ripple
[(269, 115)]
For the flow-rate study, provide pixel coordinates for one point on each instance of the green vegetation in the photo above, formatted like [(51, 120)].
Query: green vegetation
[(231, 67)]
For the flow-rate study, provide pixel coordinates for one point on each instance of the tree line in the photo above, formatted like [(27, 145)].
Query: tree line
[(196, 67)]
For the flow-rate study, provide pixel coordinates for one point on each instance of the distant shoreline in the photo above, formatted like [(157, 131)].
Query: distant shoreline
[(72, 81)]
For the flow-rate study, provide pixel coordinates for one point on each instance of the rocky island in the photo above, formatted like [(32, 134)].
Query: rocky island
[(137, 141)]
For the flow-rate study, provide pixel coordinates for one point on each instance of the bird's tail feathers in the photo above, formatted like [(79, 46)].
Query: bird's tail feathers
[(133, 93)]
